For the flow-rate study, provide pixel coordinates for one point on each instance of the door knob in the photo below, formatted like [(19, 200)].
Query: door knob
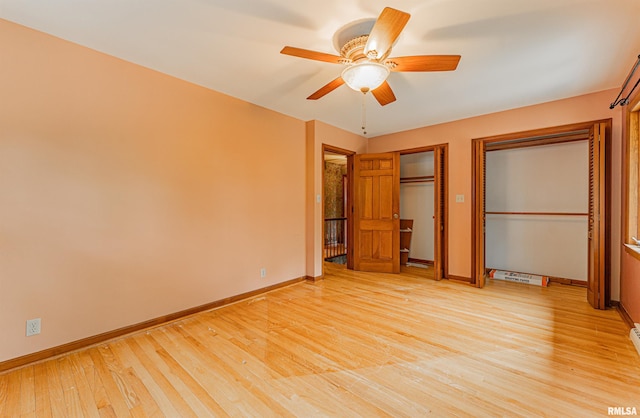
[(395, 216)]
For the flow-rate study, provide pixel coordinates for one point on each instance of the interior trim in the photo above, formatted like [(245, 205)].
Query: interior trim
[(459, 278), (569, 282), (420, 261)]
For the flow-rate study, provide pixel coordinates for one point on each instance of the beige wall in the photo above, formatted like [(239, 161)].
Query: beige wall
[(319, 133), (459, 134), (128, 194)]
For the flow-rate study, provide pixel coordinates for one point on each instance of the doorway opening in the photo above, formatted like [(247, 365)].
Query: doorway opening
[(336, 180)]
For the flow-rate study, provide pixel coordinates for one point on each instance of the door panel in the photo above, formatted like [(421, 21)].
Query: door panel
[(385, 244), (440, 224), (386, 197), (365, 201), (597, 251), (478, 276), (376, 217)]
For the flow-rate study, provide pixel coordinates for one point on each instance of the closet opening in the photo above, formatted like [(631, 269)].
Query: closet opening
[(540, 205), (423, 199)]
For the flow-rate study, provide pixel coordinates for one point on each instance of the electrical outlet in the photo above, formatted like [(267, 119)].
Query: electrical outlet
[(263, 273), (33, 327)]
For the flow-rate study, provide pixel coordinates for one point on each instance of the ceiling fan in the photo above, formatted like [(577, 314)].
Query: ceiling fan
[(367, 61)]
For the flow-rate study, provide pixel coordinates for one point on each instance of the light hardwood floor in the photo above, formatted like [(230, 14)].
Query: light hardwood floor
[(355, 344)]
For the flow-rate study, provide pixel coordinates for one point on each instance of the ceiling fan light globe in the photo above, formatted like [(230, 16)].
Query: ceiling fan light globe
[(365, 76)]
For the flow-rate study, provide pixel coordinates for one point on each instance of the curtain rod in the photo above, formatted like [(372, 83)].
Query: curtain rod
[(625, 101)]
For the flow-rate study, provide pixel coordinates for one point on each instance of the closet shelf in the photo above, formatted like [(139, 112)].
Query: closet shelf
[(406, 226)]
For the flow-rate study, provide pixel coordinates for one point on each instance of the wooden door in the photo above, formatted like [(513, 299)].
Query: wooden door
[(440, 221), (478, 274), (598, 216), (377, 216)]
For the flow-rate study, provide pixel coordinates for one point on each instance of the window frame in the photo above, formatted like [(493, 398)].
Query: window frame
[(632, 174)]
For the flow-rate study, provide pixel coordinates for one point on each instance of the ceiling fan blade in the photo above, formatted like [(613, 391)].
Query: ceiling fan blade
[(385, 31), (383, 94), (328, 88), (312, 55), (425, 63)]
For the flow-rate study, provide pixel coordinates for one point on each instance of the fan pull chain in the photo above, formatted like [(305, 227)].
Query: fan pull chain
[(364, 114)]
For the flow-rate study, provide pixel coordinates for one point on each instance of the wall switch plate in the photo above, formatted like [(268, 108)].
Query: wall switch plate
[(459, 198), (263, 273), (33, 327)]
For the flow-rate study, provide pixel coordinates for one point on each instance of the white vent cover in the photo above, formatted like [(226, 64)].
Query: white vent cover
[(635, 337)]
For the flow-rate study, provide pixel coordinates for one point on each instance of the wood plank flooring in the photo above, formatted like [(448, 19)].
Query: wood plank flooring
[(354, 344)]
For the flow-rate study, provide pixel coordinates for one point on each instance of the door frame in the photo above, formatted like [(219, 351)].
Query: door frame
[(441, 209), (551, 135), (326, 148)]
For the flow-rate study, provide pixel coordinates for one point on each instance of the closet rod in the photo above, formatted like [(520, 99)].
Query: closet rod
[(420, 179), (539, 213), (625, 101), (416, 181)]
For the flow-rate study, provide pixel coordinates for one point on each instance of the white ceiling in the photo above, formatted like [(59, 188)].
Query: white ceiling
[(514, 52)]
